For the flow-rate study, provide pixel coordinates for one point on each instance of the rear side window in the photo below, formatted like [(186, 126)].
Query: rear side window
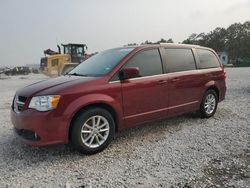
[(148, 62), (179, 60), (207, 59)]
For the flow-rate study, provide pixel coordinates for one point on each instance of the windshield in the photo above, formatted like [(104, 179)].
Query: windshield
[(101, 63)]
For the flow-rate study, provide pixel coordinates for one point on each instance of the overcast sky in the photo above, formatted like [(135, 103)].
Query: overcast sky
[(30, 26)]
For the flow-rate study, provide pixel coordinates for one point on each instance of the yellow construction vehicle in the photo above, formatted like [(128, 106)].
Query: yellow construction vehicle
[(57, 63)]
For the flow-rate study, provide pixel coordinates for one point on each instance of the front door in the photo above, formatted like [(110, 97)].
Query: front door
[(145, 98)]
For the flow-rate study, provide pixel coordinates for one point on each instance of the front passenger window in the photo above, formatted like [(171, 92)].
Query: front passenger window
[(148, 62)]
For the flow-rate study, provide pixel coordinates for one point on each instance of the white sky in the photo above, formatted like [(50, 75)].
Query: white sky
[(30, 26)]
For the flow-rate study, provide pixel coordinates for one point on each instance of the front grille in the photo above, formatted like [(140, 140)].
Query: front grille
[(27, 134), (22, 99), (18, 103)]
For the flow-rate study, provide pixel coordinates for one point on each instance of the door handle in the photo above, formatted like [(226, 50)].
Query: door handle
[(162, 82), (175, 79)]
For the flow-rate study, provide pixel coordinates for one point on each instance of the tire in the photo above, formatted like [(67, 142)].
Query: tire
[(209, 104), (86, 137)]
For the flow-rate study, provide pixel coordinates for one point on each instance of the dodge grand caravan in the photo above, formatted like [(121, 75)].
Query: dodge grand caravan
[(117, 89)]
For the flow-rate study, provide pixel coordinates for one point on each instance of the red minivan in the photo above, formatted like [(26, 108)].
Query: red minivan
[(117, 89)]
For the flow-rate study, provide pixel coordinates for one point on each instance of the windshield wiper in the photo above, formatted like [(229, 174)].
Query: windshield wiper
[(76, 74)]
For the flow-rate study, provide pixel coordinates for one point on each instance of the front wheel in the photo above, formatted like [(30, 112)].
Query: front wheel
[(92, 131), (209, 104)]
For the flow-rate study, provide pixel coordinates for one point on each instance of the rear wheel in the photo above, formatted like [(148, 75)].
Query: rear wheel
[(209, 104), (92, 131)]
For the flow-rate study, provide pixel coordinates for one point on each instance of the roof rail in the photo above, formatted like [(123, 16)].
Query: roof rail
[(162, 43)]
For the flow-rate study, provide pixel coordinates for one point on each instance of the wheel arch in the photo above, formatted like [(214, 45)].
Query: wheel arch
[(102, 105), (202, 112), (215, 88)]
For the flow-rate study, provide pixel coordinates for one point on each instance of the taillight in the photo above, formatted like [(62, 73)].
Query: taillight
[(225, 75)]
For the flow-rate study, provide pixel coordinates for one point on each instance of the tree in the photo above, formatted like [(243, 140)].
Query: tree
[(238, 40), (235, 40), (146, 42), (164, 41), (170, 40), (191, 39)]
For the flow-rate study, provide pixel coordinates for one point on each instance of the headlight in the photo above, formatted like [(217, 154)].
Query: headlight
[(44, 103)]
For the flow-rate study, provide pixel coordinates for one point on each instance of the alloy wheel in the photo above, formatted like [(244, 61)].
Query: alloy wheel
[(210, 103), (95, 131)]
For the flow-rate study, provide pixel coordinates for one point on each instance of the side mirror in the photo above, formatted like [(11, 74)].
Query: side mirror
[(129, 72)]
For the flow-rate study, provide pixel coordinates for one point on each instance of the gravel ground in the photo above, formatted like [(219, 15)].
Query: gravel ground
[(185, 151)]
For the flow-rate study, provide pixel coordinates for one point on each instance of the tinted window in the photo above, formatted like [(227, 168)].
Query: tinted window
[(207, 59), (179, 60), (101, 63), (148, 62)]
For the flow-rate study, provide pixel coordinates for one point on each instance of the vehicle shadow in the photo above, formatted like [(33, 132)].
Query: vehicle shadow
[(15, 153)]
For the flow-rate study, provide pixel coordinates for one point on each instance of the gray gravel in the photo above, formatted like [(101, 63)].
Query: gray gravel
[(185, 151)]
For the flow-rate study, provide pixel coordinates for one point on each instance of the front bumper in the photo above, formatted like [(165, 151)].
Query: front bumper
[(40, 128)]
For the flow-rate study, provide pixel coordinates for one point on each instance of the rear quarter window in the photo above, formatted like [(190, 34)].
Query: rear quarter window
[(207, 59)]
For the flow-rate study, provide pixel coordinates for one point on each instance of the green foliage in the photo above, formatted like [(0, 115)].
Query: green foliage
[(162, 40), (165, 41), (235, 40), (242, 62)]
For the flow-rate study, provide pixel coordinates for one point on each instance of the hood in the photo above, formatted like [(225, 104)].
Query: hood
[(52, 83)]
